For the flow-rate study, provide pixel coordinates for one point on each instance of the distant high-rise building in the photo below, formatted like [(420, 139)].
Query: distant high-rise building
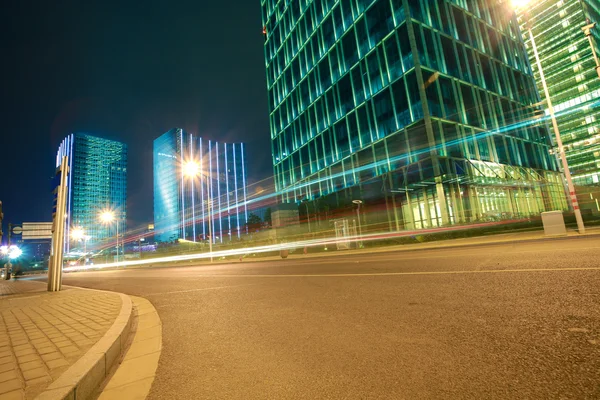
[(570, 72), (181, 200), (97, 182), (423, 106)]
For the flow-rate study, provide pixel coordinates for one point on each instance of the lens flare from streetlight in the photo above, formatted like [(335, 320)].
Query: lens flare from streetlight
[(14, 252), (77, 234), (520, 4), (107, 216), (191, 168)]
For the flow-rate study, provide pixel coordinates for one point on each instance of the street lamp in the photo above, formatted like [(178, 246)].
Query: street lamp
[(192, 169), (521, 4), (358, 203), (78, 234), (107, 217)]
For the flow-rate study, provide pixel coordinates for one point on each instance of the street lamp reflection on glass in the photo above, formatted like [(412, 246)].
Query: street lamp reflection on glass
[(192, 169), (572, 196), (107, 217)]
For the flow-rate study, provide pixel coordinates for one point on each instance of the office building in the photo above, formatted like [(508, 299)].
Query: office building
[(181, 200), (570, 71), (422, 107), (97, 183)]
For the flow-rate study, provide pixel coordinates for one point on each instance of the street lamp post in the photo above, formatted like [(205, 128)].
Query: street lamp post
[(108, 217), (78, 234), (358, 203), (192, 169), (561, 151)]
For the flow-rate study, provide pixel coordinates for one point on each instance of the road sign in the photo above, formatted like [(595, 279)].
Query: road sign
[(37, 230), (17, 230)]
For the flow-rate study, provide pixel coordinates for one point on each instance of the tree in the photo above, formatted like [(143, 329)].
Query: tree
[(267, 216), (254, 222)]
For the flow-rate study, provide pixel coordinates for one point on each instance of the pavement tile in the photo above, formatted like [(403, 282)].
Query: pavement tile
[(5, 353), (6, 360), (14, 395), (46, 350), (30, 365), (69, 349), (53, 364), (11, 385), (8, 367), (51, 356), (8, 375), (39, 381), (27, 358), (22, 353), (35, 373)]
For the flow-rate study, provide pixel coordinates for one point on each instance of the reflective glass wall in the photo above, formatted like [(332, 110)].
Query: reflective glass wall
[(97, 183), (406, 101)]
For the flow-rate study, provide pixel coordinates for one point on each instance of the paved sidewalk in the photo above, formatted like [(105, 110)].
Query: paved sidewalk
[(42, 333)]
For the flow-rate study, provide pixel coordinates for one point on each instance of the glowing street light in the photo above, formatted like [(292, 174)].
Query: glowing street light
[(107, 217), (14, 252), (78, 234), (192, 169), (572, 196)]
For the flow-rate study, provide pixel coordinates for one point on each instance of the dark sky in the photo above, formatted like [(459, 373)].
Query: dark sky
[(128, 71)]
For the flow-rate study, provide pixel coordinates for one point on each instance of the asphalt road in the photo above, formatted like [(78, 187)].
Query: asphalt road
[(518, 321)]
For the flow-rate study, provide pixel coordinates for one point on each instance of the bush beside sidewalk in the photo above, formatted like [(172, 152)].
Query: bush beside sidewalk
[(44, 336)]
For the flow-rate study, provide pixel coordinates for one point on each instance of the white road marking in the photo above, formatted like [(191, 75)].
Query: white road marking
[(343, 275)]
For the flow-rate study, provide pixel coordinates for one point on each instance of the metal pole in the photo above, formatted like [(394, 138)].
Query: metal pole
[(572, 195), (210, 232), (58, 242), (307, 216), (117, 222)]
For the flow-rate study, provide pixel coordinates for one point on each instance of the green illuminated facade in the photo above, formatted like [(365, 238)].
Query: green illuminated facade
[(421, 109), (569, 68), (97, 182)]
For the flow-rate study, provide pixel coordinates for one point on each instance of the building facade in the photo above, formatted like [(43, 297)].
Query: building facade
[(181, 202), (97, 183), (569, 69), (423, 106)]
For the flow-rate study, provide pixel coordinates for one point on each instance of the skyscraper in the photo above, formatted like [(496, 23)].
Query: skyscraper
[(97, 182), (424, 106), (569, 69), (182, 200)]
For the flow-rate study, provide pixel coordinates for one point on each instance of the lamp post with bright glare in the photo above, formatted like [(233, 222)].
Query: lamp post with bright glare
[(358, 203), (521, 4), (192, 169), (78, 234), (107, 217)]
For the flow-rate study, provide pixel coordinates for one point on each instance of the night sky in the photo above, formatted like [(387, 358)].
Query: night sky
[(127, 71)]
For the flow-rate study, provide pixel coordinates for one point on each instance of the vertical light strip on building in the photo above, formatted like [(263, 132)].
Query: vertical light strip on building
[(244, 183), (182, 184), (192, 178), (227, 188), (210, 193), (237, 213), (219, 192), (69, 189), (202, 176)]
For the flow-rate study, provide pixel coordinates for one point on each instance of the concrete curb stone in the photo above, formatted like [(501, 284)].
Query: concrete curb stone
[(83, 377)]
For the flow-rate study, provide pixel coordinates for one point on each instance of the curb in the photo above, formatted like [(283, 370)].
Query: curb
[(82, 378)]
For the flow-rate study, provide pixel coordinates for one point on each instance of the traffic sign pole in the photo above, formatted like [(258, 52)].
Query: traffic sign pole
[(58, 231)]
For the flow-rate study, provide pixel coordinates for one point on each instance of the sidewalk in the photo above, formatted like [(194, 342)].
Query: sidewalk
[(42, 334), (491, 239)]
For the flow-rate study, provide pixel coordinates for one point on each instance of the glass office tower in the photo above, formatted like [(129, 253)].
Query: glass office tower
[(569, 68), (97, 182), (181, 202), (422, 107)]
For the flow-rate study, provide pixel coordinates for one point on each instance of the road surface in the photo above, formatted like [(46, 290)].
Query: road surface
[(483, 322)]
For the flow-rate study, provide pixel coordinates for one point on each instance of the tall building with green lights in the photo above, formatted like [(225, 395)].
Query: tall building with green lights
[(570, 71), (97, 182), (421, 109)]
